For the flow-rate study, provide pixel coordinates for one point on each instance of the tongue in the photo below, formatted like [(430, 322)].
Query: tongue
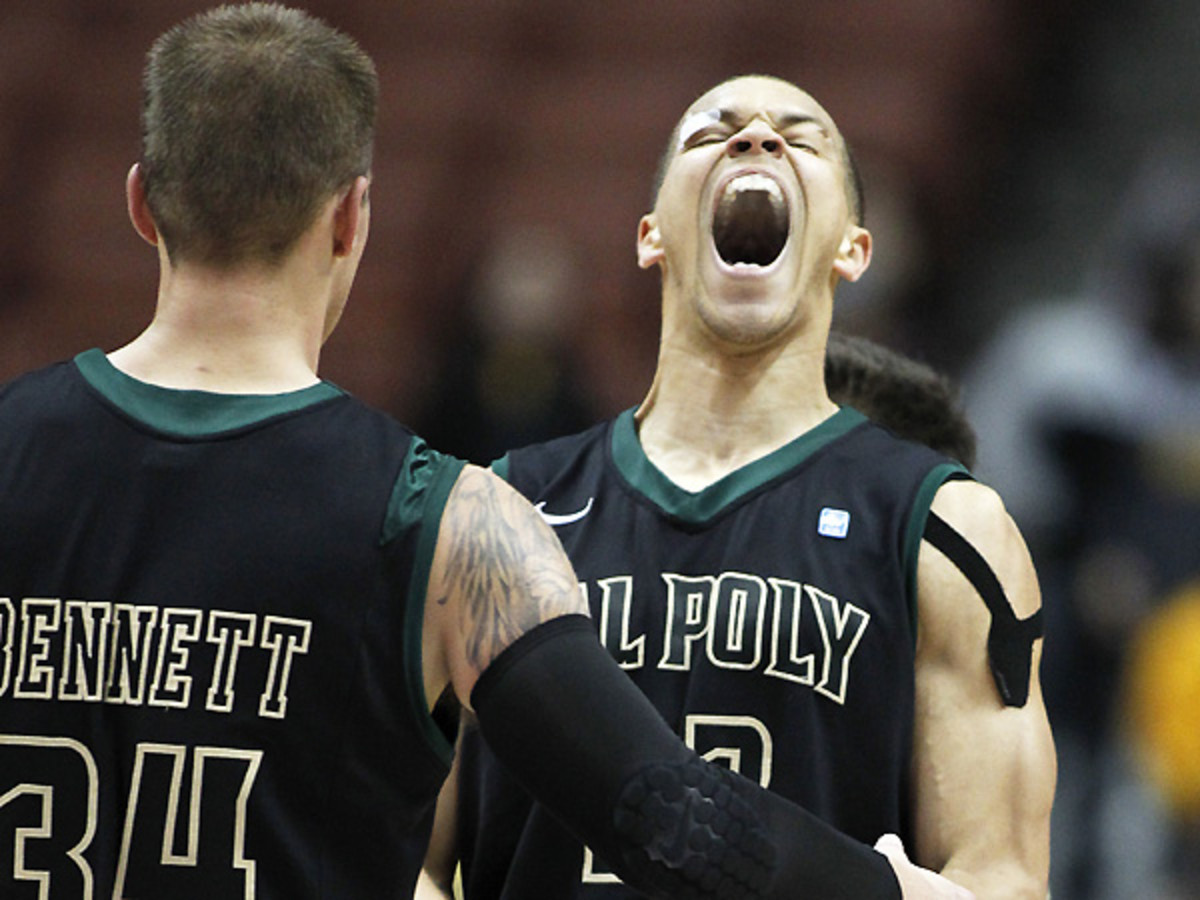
[(750, 228)]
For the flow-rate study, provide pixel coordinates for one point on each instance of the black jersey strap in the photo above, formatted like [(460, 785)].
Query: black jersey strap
[(1010, 640)]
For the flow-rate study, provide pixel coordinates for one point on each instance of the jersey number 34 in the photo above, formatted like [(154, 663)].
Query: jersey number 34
[(183, 837)]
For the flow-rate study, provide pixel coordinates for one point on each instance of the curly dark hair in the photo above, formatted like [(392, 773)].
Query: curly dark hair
[(909, 398)]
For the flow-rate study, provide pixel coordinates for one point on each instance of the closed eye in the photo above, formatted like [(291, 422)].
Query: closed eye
[(804, 145), (706, 136)]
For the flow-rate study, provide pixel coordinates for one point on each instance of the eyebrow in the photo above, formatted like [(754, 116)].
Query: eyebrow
[(733, 117)]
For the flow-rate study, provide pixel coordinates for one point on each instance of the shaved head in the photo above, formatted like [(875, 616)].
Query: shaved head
[(854, 184)]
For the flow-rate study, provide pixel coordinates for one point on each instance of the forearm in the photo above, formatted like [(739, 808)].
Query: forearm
[(629, 788), (441, 856), (983, 815), (999, 881)]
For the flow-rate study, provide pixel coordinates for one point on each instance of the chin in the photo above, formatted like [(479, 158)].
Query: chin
[(748, 326)]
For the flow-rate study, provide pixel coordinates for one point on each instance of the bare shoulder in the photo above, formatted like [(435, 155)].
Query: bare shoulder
[(977, 513)]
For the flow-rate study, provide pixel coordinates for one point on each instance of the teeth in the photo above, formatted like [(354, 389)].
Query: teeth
[(754, 181)]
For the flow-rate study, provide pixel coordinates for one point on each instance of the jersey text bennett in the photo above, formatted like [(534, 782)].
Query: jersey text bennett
[(104, 652)]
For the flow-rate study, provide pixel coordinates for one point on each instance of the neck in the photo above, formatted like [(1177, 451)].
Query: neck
[(243, 331), (710, 412)]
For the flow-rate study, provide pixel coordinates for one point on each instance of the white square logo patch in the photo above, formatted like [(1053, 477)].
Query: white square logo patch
[(834, 523)]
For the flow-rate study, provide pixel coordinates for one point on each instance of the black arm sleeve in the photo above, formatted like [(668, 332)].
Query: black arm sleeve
[(585, 742)]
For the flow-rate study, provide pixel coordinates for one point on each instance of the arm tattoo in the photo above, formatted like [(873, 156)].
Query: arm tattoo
[(505, 566)]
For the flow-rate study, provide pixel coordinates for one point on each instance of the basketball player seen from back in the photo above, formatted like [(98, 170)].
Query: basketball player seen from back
[(230, 593), (847, 617)]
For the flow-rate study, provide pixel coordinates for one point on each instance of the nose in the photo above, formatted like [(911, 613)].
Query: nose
[(756, 137)]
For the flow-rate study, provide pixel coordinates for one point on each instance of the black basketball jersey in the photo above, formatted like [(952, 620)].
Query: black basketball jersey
[(210, 620), (770, 618)]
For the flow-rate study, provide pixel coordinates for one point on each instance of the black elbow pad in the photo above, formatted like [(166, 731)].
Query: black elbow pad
[(586, 743)]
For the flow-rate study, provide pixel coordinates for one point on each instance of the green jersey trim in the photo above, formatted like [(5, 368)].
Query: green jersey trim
[(191, 414), (698, 507), (918, 516), (418, 500), (500, 467)]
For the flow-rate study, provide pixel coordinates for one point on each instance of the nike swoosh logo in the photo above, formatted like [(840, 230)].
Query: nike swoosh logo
[(566, 518)]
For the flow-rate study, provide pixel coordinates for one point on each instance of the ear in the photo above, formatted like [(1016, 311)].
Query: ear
[(854, 254), (649, 242), (135, 203), (350, 217)]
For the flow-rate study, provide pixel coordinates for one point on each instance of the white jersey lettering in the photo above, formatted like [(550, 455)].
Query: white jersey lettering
[(95, 651)]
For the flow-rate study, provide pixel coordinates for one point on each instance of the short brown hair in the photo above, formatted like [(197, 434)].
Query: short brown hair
[(252, 116)]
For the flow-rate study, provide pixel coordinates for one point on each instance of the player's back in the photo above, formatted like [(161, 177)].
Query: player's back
[(202, 642)]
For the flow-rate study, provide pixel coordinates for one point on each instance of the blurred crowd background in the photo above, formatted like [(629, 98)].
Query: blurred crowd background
[(1033, 184)]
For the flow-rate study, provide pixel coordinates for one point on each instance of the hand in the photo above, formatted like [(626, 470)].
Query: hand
[(428, 889), (917, 883)]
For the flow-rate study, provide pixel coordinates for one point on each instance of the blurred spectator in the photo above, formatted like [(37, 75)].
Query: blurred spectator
[(1162, 715), (1088, 415), (1122, 357), (889, 306), (508, 378)]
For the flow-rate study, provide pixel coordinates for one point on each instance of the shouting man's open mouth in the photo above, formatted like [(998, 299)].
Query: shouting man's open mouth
[(751, 221)]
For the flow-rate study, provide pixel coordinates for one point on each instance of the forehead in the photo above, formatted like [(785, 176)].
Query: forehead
[(751, 96)]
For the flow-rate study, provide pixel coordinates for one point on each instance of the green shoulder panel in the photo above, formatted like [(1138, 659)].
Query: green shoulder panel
[(918, 516), (417, 502), (500, 466)]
